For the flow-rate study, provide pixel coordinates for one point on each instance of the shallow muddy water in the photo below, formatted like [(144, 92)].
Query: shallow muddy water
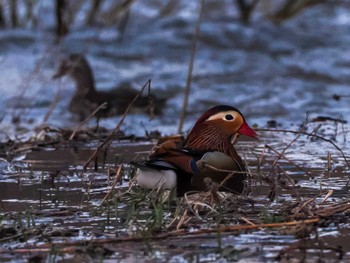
[(51, 210), (47, 198)]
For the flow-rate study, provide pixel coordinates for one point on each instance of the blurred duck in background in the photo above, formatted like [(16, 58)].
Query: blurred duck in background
[(86, 98)]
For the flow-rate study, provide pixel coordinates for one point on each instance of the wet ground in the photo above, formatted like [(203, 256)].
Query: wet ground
[(53, 210), (297, 207)]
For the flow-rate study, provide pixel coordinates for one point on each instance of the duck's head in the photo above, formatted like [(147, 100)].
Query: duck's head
[(75, 66), (218, 129)]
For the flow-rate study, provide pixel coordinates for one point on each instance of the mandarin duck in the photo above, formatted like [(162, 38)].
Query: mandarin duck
[(86, 98), (205, 157)]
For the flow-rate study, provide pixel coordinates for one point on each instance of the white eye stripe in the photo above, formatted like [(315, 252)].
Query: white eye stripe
[(226, 116)]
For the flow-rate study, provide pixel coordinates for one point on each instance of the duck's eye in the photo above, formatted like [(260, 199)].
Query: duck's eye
[(229, 117)]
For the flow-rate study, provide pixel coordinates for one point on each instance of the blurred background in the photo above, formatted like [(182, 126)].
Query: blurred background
[(272, 59)]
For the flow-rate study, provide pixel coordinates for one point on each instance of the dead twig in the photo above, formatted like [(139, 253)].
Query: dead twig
[(310, 208), (332, 209), (297, 209), (280, 155), (105, 144), (73, 246), (273, 169), (53, 104), (103, 105), (116, 180), (190, 68), (247, 221), (287, 159), (311, 135)]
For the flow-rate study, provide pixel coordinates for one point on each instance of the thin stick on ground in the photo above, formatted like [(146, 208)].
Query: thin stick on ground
[(190, 68), (86, 120), (73, 246), (116, 180), (280, 155), (104, 145), (311, 135), (287, 159), (297, 209), (53, 104)]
